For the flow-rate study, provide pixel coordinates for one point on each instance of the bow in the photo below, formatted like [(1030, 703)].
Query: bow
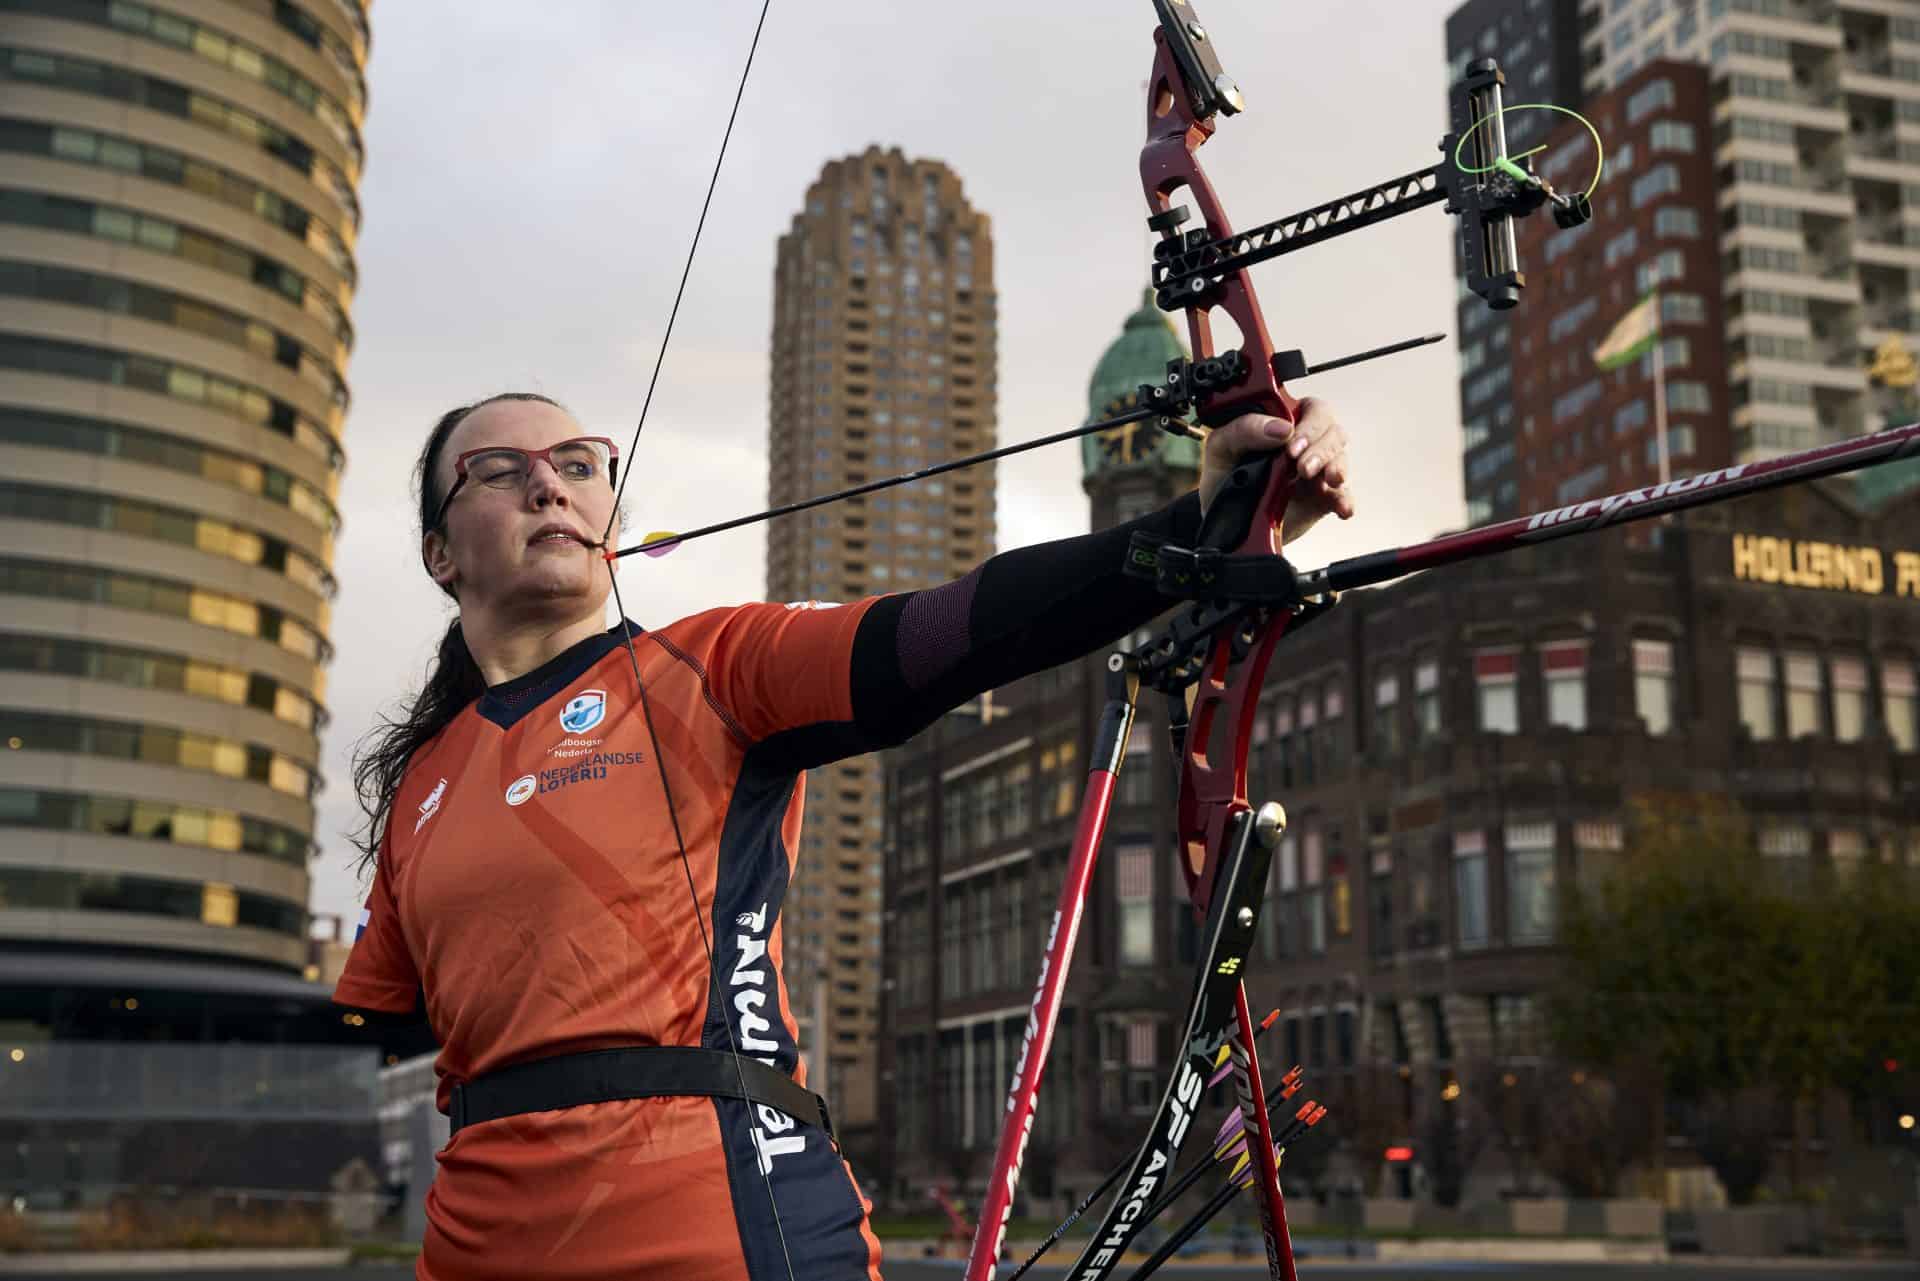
[(1211, 659)]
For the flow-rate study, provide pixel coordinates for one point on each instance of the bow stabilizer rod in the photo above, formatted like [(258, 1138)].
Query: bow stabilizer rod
[(1230, 586), (1716, 486)]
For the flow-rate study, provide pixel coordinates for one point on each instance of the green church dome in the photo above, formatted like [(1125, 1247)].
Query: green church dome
[(1140, 354)]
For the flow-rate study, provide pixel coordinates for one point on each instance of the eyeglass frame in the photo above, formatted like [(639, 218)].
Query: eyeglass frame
[(532, 456)]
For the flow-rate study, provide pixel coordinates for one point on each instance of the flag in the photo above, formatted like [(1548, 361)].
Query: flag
[(1632, 335)]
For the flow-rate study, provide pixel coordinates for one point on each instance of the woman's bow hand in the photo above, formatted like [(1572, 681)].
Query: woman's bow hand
[(1317, 444)]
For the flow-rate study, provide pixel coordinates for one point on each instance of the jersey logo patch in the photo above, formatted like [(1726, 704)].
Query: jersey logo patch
[(521, 789), (583, 711), (431, 806)]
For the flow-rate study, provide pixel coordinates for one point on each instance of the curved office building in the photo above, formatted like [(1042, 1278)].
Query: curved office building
[(177, 227)]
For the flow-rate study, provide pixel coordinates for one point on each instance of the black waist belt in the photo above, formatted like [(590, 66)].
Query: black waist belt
[(639, 1072)]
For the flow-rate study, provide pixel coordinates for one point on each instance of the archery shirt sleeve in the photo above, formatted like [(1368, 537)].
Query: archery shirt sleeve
[(775, 671), (921, 654), (858, 678), (379, 976)]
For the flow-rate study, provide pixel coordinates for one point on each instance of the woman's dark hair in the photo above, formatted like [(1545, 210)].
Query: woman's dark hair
[(453, 678)]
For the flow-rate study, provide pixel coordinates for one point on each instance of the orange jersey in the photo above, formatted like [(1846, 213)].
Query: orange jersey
[(530, 884)]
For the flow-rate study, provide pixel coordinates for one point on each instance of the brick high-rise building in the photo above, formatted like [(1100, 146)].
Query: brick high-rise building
[(1582, 431), (884, 332), (1815, 143)]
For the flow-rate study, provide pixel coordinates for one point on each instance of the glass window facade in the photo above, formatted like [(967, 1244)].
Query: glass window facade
[(169, 378), (148, 669), (84, 75), (155, 745), (164, 524), (159, 449), (128, 226), (57, 580), (49, 889), (93, 290), (151, 820), (163, 164)]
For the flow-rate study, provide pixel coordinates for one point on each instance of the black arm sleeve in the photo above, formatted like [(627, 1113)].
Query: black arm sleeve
[(920, 654)]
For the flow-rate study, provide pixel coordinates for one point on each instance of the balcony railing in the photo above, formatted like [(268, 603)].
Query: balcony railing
[(1885, 231), (1900, 318), (1876, 146), (1871, 63), (1825, 97)]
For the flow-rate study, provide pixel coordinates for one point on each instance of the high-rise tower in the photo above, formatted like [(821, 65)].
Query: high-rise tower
[(177, 223), (1816, 146), (883, 361)]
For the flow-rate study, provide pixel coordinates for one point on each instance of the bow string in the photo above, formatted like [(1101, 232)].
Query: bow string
[(626, 634)]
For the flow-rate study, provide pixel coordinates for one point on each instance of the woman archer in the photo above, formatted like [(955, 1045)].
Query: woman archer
[(621, 1106)]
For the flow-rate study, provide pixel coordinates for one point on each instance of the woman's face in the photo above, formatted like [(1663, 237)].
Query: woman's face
[(523, 549)]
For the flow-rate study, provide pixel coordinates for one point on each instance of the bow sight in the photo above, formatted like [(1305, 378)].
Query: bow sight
[(1481, 184)]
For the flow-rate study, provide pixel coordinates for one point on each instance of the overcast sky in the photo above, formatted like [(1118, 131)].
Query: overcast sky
[(533, 178)]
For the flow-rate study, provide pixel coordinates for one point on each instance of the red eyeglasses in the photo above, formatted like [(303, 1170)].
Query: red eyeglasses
[(581, 461)]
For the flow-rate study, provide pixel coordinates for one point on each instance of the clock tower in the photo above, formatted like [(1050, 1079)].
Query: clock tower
[(1134, 469)]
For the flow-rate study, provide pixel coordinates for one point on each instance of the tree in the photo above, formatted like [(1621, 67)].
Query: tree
[(1450, 1145), (1305, 1162), (1370, 1118), (1733, 973), (1510, 1104), (1736, 1139), (1042, 1165), (1850, 969), (1660, 956), (1879, 924), (957, 1161), (1598, 1126), (875, 1162)]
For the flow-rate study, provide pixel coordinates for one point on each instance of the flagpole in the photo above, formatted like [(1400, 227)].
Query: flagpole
[(1660, 405)]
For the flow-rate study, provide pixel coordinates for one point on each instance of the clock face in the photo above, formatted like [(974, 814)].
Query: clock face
[(1129, 442), (1134, 444), (1893, 365)]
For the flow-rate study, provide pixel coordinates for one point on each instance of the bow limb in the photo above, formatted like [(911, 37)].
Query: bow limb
[(1260, 1136), (1220, 707), (1186, 90), (1184, 93), (1179, 122)]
